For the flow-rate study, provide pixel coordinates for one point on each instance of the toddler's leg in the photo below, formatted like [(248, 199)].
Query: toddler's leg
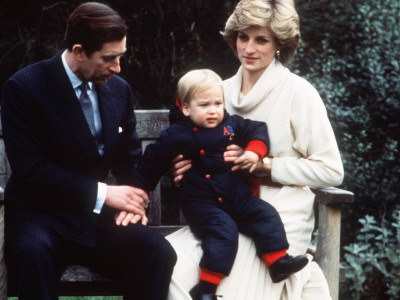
[(261, 221), (219, 235)]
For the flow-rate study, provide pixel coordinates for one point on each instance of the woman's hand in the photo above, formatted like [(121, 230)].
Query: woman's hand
[(179, 167), (263, 167), (124, 218), (232, 153)]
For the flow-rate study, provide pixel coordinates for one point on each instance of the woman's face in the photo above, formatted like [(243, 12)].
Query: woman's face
[(256, 48)]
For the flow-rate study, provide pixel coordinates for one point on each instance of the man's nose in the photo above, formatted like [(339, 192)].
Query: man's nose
[(116, 66)]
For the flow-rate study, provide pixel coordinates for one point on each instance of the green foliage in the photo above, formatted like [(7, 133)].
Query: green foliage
[(351, 52), (373, 261)]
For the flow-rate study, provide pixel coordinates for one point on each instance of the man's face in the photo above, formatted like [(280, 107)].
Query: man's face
[(102, 64)]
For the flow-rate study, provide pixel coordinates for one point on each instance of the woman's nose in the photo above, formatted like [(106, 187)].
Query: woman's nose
[(250, 47)]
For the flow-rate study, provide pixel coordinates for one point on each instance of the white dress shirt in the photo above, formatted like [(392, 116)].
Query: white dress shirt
[(92, 93)]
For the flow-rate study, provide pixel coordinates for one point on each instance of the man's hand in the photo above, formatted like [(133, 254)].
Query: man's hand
[(247, 161), (124, 218), (179, 167), (127, 198)]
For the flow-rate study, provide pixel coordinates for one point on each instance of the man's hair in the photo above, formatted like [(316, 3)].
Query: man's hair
[(92, 24), (196, 81), (278, 16)]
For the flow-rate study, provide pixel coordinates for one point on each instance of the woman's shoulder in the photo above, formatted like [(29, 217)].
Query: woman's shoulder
[(303, 92), (301, 85)]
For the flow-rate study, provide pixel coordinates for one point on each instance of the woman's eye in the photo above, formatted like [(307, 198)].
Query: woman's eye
[(262, 41), (242, 37)]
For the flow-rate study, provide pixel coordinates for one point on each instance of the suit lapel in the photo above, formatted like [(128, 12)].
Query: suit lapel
[(67, 106)]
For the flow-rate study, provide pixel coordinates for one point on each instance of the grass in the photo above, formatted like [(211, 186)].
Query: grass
[(84, 298)]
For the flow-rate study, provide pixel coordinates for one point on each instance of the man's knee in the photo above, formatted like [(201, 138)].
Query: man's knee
[(159, 249), (31, 242)]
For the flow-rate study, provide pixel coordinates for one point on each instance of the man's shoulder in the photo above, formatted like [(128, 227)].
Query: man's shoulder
[(34, 72)]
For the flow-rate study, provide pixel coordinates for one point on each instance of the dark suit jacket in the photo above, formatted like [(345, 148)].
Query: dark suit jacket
[(54, 160)]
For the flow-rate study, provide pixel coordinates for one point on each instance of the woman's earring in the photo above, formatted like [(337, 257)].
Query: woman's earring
[(278, 54)]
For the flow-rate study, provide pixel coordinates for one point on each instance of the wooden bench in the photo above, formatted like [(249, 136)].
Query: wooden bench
[(80, 281)]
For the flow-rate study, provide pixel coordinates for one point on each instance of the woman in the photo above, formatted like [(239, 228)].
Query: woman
[(264, 35)]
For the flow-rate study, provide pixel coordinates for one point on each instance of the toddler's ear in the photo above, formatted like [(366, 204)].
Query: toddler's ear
[(185, 110)]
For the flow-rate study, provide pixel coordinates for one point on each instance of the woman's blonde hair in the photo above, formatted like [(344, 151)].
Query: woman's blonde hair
[(196, 81), (279, 16)]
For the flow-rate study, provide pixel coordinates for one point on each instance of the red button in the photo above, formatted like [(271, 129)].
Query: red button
[(202, 152), (208, 176), (195, 129), (220, 199)]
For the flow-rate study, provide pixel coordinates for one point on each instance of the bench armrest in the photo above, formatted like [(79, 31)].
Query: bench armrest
[(332, 196)]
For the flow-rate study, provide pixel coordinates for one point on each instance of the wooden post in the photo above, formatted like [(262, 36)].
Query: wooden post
[(5, 172), (329, 246), (3, 271)]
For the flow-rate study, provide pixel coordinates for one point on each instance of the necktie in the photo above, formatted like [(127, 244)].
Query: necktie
[(87, 107)]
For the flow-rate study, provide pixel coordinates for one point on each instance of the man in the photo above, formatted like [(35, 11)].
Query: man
[(67, 122)]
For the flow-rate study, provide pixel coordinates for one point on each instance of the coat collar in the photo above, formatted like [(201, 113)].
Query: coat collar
[(272, 76)]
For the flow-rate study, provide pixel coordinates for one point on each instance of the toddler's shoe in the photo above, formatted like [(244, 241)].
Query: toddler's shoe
[(286, 266), (196, 294)]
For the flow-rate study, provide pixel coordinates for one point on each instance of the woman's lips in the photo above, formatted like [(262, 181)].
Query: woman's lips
[(250, 59)]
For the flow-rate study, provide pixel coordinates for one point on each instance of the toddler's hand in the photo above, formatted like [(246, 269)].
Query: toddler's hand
[(124, 218), (247, 161)]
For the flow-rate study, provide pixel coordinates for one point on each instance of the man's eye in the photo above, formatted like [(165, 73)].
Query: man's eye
[(108, 58)]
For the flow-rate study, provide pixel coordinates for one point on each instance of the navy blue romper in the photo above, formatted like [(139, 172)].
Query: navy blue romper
[(215, 201)]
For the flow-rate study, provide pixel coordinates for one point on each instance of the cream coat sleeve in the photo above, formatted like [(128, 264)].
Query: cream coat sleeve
[(318, 163)]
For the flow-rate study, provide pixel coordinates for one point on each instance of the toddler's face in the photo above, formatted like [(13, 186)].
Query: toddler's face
[(206, 108)]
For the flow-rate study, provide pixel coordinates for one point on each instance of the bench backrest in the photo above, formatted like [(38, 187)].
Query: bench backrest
[(149, 125)]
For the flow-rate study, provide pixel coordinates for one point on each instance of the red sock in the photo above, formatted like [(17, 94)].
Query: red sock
[(271, 257), (210, 276)]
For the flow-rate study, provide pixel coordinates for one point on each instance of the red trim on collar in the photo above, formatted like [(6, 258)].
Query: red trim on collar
[(177, 102)]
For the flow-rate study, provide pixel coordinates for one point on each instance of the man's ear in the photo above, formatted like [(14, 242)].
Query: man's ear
[(185, 109), (78, 52)]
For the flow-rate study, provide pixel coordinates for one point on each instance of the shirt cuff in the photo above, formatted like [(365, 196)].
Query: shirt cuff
[(101, 197), (258, 147)]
